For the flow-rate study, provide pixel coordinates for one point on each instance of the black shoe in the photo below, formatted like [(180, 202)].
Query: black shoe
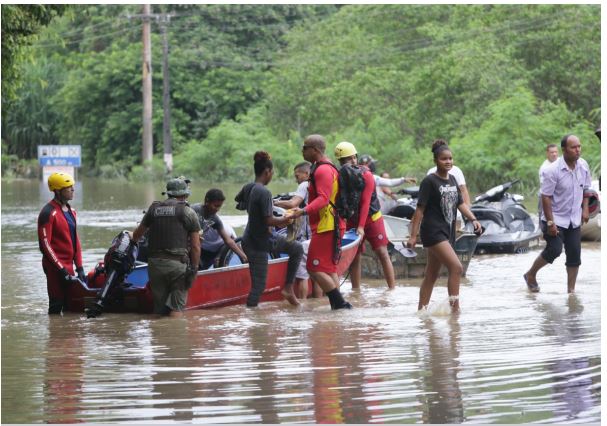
[(345, 305), (533, 287)]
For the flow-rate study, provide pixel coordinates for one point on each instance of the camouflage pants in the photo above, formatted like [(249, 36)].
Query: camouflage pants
[(167, 279)]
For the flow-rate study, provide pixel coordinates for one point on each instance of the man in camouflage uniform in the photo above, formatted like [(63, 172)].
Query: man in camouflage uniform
[(174, 248)]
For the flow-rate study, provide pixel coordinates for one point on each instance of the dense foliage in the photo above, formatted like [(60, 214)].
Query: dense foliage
[(497, 81), (20, 24)]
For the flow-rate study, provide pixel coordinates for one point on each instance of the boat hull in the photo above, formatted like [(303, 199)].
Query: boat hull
[(212, 288), (414, 267), (591, 231)]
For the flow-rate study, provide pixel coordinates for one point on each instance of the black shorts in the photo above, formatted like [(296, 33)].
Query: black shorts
[(570, 237), (436, 235)]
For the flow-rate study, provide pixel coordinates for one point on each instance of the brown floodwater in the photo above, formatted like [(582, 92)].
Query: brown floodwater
[(509, 357)]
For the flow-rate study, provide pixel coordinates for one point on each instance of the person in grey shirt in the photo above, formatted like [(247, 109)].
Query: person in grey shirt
[(258, 241), (565, 208)]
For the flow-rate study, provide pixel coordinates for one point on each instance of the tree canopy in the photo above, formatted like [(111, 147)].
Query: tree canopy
[(498, 82)]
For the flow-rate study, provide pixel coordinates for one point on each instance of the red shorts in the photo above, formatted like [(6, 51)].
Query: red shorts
[(375, 233), (320, 253)]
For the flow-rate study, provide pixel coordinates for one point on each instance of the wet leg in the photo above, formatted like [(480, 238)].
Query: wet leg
[(430, 276), (386, 264), (446, 255), (571, 278), (530, 275)]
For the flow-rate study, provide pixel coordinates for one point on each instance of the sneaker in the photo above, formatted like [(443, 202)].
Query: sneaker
[(533, 287)]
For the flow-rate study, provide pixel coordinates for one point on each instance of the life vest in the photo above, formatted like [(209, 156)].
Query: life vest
[(167, 230), (327, 213)]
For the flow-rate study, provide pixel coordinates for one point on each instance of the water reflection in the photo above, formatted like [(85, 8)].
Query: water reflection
[(64, 373), (509, 357), (441, 398), (173, 390), (338, 378), (572, 381)]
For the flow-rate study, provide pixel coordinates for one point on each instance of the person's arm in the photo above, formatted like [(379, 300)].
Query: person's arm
[(381, 181), (139, 232), (194, 250), (547, 190), (547, 207), (585, 210), (465, 194), (227, 239), (467, 213), (46, 225), (585, 203), (295, 201), (415, 221), (280, 221), (365, 202)]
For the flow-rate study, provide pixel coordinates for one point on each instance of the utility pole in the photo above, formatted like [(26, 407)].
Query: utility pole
[(166, 97), (163, 20), (147, 87)]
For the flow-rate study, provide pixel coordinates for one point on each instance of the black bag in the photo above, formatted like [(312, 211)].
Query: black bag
[(351, 185), (242, 198), (347, 204)]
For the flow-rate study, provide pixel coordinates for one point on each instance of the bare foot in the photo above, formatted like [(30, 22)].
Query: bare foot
[(288, 294)]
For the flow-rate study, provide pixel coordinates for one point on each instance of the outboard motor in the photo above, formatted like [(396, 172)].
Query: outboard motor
[(119, 262)]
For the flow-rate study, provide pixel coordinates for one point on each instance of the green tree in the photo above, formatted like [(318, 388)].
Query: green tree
[(20, 23)]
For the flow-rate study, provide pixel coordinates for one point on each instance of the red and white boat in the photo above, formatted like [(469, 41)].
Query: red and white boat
[(229, 285)]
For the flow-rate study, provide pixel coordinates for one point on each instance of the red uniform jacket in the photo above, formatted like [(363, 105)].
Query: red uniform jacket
[(55, 239)]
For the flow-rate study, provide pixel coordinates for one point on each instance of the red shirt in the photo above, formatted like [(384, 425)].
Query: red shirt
[(323, 190), (55, 239)]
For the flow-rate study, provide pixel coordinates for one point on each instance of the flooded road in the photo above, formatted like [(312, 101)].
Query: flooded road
[(509, 357)]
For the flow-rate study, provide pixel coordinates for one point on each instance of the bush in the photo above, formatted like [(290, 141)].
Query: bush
[(227, 153)]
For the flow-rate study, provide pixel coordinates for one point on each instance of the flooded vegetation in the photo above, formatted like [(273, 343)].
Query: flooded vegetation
[(509, 357)]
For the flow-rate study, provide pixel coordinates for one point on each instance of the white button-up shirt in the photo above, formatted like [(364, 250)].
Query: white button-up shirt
[(566, 188)]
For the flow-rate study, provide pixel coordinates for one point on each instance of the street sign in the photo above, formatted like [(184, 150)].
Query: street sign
[(59, 155), (49, 170)]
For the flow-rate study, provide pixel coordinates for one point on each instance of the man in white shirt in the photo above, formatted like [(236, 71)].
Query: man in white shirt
[(380, 181), (552, 153), (565, 209)]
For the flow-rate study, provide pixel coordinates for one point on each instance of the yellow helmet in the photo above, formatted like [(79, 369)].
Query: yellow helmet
[(58, 181), (344, 149)]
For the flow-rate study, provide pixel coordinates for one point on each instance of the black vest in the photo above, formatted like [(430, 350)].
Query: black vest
[(167, 230)]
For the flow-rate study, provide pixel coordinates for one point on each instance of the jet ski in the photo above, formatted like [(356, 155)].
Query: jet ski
[(405, 206), (507, 226)]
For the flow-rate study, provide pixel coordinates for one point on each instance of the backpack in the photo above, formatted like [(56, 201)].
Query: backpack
[(351, 185)]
